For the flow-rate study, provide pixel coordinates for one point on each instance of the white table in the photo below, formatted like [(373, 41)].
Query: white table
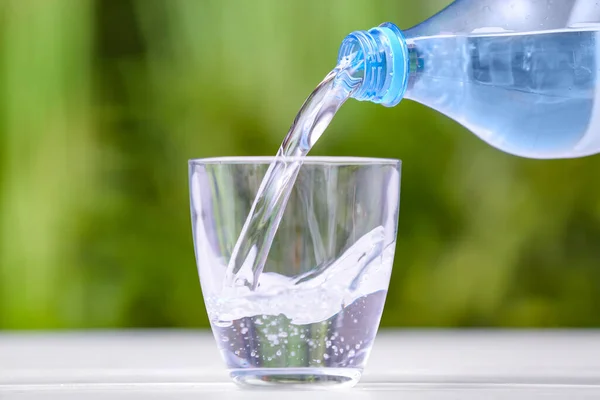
[(404, 364)]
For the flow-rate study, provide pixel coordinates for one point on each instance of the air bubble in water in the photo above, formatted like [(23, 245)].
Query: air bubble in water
[(222, 323)]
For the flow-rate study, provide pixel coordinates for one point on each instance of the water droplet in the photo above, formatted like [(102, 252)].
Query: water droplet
[(278, 352), (351, 353), (326, 356), (225, 339), (244, 331)]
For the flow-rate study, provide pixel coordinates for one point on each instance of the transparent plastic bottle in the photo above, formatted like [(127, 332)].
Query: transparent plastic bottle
[(520, 74)]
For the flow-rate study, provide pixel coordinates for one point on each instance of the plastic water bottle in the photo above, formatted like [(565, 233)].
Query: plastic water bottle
[(520, 74)]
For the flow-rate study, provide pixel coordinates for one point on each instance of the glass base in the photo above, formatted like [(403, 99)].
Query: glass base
[(302, 378)]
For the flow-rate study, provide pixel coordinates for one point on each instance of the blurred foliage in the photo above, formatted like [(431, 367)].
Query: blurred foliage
[(103, 102)]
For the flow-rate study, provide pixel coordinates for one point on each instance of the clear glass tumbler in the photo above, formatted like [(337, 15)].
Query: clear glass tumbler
[(314, 315)]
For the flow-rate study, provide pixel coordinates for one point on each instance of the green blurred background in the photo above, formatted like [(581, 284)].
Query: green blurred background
[(103, 102)]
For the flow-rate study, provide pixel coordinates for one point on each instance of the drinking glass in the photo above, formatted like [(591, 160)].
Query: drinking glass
[(313, 316)]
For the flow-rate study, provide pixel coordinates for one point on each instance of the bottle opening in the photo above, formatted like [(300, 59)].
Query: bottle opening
[(384, 57)]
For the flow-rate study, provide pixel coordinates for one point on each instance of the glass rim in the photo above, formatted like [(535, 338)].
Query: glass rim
[(315, 160)]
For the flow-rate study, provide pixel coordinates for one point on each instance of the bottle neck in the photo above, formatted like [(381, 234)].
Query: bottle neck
[(383, 53)]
